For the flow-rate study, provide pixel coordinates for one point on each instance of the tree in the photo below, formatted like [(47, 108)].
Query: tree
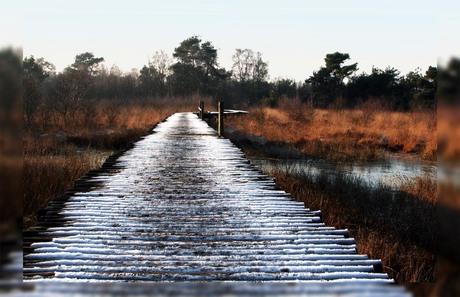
[(188, 52), (285, 87), (159, 70), (38, 68), (334, 65), (381, 85), (422, 88), (147, 81), (449, 82), (251, 72), (196, 69), (127, 84), (87, 62), (188, 72), (260, 68), (208, 58), (35, 72), (320, 85), (242, 71), (78, 79), (242, 65), (279, 89), (66, 92), (427, 95), (327, 84)]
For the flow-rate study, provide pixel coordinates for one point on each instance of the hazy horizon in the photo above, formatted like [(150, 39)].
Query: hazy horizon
[(293, 36)]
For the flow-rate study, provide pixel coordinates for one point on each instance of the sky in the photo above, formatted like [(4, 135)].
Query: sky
[(293, 36)]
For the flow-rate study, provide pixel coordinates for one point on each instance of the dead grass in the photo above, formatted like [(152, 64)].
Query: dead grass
[(59, 151), (397, 228), (402, 261), (423, 187), (47, 176), (344, 134)]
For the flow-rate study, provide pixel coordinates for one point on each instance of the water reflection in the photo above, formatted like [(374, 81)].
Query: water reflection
[(390, 172)]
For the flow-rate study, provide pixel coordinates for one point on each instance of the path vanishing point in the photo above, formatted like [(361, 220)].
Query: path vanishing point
[(185, 205)]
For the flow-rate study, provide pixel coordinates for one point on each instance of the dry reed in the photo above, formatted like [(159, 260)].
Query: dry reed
[(397, 228), (59, 151), (344, 134)]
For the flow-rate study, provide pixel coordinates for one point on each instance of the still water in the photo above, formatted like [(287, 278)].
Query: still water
[(390, 172)]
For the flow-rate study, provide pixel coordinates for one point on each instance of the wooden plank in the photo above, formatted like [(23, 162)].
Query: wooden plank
[(185, 205)]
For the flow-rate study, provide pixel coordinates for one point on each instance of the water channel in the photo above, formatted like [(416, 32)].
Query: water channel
[(391, 172)]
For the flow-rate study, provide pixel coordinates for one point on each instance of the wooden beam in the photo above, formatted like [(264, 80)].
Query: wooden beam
[(201, 109), (220, 119)]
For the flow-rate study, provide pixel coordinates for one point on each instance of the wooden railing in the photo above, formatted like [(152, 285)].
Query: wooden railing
[(221, 111)]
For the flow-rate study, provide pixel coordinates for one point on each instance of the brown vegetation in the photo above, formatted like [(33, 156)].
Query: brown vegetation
[(46, 176), (393, 226), (59, 151), (344, 134), (413, 229)]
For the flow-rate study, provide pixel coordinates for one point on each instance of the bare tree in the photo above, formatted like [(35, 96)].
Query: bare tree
[(259, 68), (251, 72), (115, 71), (161, 69), (161, 62), (248, 65), (242, 64), (67, 92)]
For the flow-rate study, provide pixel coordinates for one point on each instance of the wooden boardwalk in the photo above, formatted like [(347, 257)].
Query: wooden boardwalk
[(185, 205)]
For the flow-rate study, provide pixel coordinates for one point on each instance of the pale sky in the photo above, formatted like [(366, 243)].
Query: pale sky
[(293, 36)]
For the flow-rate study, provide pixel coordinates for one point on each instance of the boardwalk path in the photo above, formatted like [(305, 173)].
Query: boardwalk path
[(186, 205)]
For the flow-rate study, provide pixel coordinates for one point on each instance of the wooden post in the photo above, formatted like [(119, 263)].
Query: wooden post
[(220, 119), (201, 109)]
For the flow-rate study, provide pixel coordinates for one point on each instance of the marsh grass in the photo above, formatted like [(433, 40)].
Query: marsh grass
[(423, 187), (59, 151), (47, 176), (394, 226), (344, 134)]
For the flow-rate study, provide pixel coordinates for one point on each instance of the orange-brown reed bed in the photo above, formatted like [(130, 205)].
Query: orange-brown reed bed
[(343, 134), (58, 151), (47, 176)]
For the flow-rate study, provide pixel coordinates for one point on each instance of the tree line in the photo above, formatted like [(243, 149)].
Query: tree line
[(194, 70)]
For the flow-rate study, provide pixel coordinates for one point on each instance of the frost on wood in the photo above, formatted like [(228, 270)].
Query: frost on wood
[(185, 205)]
